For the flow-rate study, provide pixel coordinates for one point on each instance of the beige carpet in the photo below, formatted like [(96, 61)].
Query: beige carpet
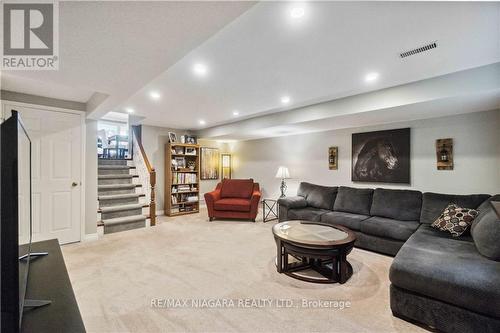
[(116, 278)]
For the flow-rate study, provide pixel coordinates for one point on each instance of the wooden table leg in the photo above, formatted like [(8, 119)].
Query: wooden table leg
[(279, 256), (343, 267)]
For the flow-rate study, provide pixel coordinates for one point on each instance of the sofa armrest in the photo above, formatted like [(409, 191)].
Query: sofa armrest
[(293, 202)]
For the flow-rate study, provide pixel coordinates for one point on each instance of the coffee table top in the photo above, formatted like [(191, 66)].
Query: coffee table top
[(313, 233)]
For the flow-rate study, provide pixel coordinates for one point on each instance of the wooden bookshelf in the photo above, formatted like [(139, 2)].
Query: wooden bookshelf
[(182, 179)]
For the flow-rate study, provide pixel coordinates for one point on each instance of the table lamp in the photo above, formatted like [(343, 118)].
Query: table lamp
[(283, 174)]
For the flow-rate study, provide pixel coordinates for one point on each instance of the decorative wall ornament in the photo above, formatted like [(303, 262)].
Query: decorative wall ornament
[(444, 154), (209, 163), (333, 158), (381, 156)]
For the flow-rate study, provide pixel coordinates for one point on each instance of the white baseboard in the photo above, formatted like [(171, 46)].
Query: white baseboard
[(90, 237)]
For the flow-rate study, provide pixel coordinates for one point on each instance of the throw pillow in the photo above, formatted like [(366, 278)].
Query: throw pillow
[(455, 219)]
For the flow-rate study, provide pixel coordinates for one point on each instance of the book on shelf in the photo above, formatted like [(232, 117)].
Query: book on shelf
[(184, 178)]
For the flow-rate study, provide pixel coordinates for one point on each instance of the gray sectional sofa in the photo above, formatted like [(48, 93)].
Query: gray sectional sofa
[(450, 284)]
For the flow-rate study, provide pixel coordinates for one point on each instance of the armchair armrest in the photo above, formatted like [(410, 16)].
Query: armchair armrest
[(210, 199), (254, 203), (293, 202)]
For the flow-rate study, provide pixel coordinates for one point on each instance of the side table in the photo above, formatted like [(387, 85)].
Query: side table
[(270, 210)]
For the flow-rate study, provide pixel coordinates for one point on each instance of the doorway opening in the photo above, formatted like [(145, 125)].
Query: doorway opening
[(113, 136)]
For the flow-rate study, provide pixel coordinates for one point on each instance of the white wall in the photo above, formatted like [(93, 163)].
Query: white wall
[(476, 156), (91, 177)]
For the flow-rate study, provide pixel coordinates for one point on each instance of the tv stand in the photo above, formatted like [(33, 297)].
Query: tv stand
[(48, 279), (33, 254)]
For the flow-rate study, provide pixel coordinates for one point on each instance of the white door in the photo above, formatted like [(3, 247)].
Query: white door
[(56, 172)]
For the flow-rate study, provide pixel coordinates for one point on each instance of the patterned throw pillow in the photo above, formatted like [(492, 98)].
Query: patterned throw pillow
[(455, 219)]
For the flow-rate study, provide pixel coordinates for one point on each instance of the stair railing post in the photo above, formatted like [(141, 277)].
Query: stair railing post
[(152, 203)]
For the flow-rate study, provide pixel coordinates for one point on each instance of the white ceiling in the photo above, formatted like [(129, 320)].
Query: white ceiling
[(117, 47), (255, 54), (263, 55)]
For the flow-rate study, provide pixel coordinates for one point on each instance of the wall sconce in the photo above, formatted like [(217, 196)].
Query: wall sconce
[(444, 154), (226, 166)]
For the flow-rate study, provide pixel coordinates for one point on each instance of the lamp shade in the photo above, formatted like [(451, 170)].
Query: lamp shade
[(282, 173)]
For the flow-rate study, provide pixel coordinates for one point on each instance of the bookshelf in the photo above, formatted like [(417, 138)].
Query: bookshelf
[(182, 179)]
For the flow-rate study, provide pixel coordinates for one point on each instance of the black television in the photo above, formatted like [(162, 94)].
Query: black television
[(16, 222)]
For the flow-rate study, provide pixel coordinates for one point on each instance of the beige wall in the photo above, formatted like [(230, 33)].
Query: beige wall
[(154, 140), (476, 156)]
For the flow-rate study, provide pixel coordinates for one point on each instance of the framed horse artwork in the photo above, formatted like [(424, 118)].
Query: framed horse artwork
[(381, 156)]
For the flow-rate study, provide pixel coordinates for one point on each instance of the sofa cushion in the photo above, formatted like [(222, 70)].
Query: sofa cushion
[(484, 207), (389, 228), (236, 188), (436, 265), (233, 204), (433, 204), (308, 214), (304, 189), (486, 234), (351, 221), (353, 200), (321, 197), (402, 205), (293, 202), (455, 220)]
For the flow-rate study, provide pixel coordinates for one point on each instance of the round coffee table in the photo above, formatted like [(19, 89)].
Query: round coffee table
[(315, 246)]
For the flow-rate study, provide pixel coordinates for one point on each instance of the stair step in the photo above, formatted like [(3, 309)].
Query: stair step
[(118, 186), (114, 167), (120, 196), (123, 220), (117, 176), (124, 223), (120, 208)]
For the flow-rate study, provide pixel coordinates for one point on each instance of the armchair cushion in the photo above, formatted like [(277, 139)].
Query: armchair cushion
[(233, 204), (293, 202), (237, 188)]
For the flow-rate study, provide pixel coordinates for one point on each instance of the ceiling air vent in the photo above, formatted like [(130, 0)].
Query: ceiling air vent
[(424, 48)]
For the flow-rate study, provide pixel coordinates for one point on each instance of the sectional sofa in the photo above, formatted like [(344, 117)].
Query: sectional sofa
[(448, 283)]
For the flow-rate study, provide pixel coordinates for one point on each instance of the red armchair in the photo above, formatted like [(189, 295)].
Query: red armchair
[(234, 199)]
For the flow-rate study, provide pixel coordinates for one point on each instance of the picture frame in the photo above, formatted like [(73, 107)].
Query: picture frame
[(209, 163), (333, 158), (172, 137), (381, 156)]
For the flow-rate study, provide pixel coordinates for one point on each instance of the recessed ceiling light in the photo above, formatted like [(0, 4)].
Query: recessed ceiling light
[(371, 77), (155, 95), (200, 69), (236, 113), (129, 110), (285, 99), (202, 122), (297, 12)]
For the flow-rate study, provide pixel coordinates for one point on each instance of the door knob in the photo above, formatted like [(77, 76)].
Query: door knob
[(74, 184)]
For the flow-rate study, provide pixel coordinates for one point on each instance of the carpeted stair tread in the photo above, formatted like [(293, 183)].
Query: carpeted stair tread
[(114, 167), (116, 176), (124, 220), (118, 186), (120, 196), (121, 208)]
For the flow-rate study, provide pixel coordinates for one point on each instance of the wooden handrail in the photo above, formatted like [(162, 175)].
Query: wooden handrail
[(152, 177)]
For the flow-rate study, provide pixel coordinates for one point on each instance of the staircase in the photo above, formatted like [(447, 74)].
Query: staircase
[(119, 201)]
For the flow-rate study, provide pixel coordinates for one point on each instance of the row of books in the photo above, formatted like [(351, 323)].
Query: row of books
[(184, 188), (184, 198), (180, 209), (183, 178)]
